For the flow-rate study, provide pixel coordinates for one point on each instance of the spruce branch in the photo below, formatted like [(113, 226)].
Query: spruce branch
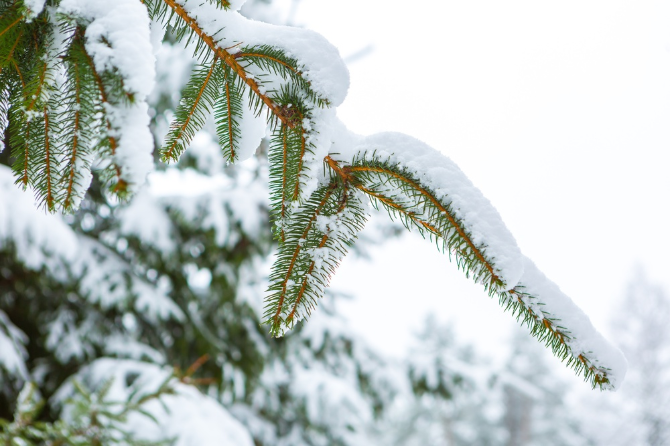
[(403, 196), (285, 147), (414, 202), (198, 98), (321, 230), (228, 114), (81, 104), (228, 59), (109, 142)]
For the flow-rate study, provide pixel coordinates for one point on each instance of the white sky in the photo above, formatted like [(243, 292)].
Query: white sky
[(558, 111)]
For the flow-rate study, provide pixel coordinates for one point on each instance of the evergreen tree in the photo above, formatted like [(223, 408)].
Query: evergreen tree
[(459, 398), (535, 410), (172, 275), (640, 412)]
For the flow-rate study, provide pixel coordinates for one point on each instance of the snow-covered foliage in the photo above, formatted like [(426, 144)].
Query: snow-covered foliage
[(182, 413), (85, 103), (125, 298)]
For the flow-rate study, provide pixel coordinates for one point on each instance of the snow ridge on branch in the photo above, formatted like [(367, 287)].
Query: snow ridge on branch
[(319, 171)]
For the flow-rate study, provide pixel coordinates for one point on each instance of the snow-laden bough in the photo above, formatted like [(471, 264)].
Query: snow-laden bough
[(84, 104)]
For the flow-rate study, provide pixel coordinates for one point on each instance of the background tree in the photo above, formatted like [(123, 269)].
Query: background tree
[(640, 412)]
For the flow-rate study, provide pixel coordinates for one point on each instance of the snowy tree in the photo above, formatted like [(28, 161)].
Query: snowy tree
[(640, 412), (460, 398), (452, 399), (535, 410), (102, 299)]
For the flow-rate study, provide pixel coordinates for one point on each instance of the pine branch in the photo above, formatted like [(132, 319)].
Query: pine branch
[(198, 98), (413, 203), (108, 142), (404, 196), (227, 58), (80, 102), (228, 114), (35, 162), (286, 154), (318, 237)]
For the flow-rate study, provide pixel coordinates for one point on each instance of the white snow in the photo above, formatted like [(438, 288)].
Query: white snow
[(35, 7), (31, 231), (586, 340), (118, 36), (324, 68), (148, 221), (12, 348), (221, 200), (252, 131), (188, 416), (437, 172)]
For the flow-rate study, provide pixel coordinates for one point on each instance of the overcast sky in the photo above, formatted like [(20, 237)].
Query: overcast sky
[(558, 111)]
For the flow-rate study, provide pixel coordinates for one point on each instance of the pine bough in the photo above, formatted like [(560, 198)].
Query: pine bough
[(74, 79)]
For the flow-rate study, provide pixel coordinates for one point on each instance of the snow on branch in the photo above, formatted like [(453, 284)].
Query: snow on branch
[(428, 192), (318, 170)]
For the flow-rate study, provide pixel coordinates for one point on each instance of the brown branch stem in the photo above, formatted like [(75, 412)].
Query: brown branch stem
[(121, 184), (229, 60), (438, 205), (170, 151)]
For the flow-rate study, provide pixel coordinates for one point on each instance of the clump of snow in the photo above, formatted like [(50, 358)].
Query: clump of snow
[(442, 176), (118, 37), (186, 415), (13, 352), (35, 7), (324, 68), (236, 5), (585, 339)]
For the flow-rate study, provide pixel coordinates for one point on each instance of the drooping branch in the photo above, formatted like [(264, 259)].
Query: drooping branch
[(416, 186), (296, 252), (545, 326), (347, 172), (176, 138)]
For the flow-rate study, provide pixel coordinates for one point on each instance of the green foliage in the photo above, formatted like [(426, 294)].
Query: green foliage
[(198, 98), (228, 114), (57, 127), (95, 419), (404, 197), (315, 240)]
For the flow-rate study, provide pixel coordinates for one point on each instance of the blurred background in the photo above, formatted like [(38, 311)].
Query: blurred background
[(558, 112)]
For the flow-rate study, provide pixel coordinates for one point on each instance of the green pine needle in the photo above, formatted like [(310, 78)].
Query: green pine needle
[(197, 100), (319, 235), (228, 115)]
